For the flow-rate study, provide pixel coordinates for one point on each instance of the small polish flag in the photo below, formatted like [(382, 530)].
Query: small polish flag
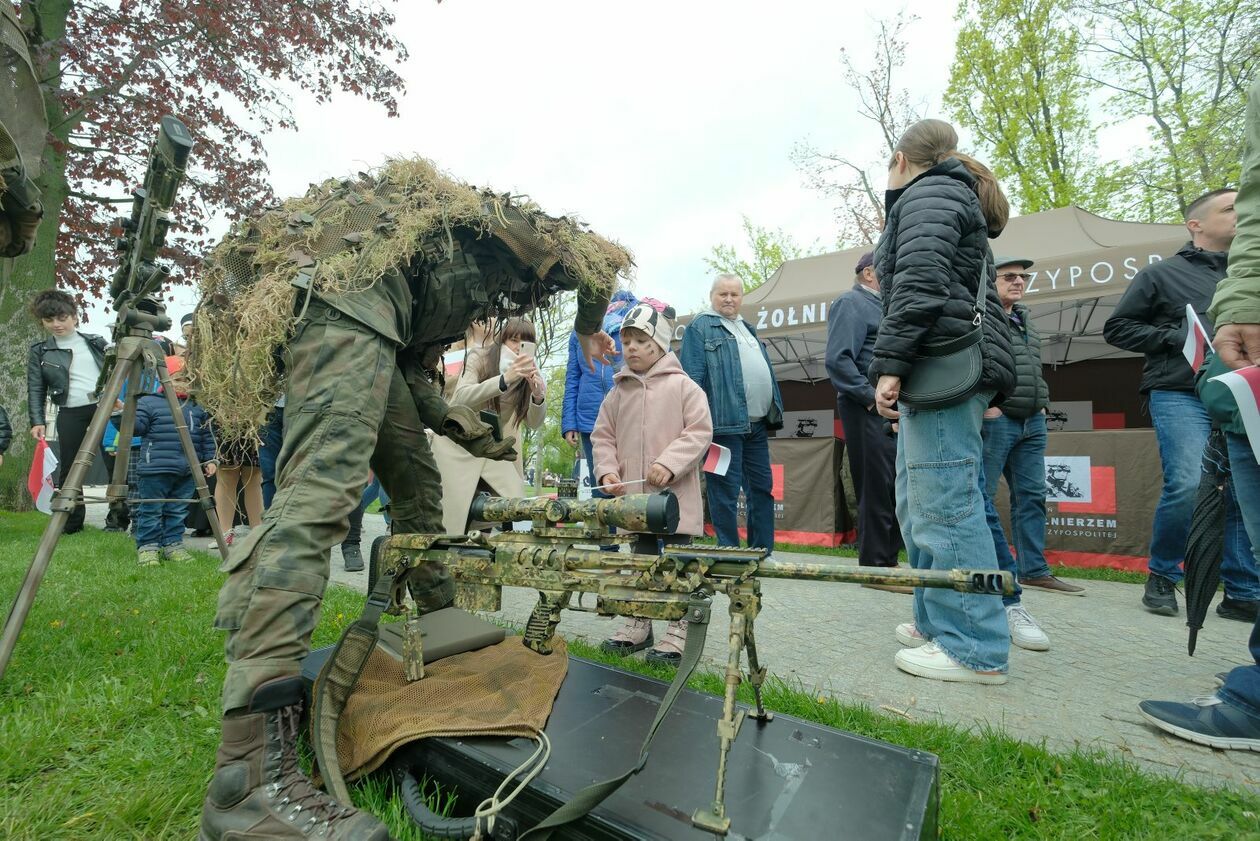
[(40, 481), (718, 460), (1196, 338), (1245, 384)]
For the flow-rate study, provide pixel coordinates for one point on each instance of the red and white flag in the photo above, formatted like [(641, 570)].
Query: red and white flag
[(1196, 338), (1245, 384), (41, 481), (718, 460)]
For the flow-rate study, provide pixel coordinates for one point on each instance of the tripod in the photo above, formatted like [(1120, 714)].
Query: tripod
[(134, 352)]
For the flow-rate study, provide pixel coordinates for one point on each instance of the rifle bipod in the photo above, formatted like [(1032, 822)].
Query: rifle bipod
[(745, 604), (135, 351)]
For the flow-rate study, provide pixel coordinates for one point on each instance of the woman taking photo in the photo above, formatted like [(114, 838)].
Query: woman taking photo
[(501, 376), (933, 260)]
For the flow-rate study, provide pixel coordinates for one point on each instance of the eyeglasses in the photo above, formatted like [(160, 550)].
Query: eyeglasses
[(1011, 277)]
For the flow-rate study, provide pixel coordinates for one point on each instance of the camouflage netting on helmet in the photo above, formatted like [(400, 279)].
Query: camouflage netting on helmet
[(342, 237)]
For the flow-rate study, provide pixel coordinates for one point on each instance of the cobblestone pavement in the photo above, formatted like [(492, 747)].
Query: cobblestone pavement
[(1107, 653)]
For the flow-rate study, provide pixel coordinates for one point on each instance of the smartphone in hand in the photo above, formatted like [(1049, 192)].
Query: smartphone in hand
[(529, 349)]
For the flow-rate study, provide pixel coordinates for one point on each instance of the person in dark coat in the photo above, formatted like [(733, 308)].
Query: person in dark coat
[(6, 433), (852, 324), (163, 472), (933, 263), (1151, 319), (63, 369)]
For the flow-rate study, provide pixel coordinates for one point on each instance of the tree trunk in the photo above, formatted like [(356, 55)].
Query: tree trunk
[(20, 279)]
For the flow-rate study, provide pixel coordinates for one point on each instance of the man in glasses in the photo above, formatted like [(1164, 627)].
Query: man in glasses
[(1151, 319), (1015, 447)]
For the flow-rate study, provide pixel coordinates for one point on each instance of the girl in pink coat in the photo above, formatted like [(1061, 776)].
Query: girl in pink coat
[(652, 433)]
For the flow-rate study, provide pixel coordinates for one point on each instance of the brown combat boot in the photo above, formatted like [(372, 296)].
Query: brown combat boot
[(258, 791)]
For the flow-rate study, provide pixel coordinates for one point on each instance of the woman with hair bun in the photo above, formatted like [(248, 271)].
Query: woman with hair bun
[(933, 260)]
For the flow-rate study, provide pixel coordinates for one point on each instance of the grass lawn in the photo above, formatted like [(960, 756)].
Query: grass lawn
[(109, 721)]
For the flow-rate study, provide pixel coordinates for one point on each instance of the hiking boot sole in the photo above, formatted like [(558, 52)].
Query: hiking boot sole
[(1162, 609), (625, 649), (663, 658), (1218, 742)]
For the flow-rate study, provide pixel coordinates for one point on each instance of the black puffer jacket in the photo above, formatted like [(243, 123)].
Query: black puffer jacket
[(6, 432), (1031, 393), (1151, 316), (930, 259), (48, 373)]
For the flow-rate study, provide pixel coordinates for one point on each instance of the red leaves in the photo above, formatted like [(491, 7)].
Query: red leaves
[(215, 65)]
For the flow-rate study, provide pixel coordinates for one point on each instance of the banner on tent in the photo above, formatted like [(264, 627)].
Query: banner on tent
[(1102, 488), (808, 491)]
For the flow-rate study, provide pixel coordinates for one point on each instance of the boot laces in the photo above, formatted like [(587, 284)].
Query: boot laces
[(297, 800)]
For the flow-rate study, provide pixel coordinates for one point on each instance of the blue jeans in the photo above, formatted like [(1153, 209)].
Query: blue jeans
[(749, 470), (940, 506), (161, 524), (590, 465), (374, 491), (1016, 449), (1181, 427), (272, 435), (1242, 685)]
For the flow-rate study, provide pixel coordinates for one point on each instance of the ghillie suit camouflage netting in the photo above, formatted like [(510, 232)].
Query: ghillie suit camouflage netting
[(342, 237)]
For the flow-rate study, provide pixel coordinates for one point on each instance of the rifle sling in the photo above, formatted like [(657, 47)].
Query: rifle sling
[(591, 796), (336, 681)]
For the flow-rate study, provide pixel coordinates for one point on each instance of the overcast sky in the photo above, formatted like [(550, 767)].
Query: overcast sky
[(659, 123)]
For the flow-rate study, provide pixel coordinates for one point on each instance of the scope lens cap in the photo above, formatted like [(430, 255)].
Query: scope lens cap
[(478, 505), (662, 513)]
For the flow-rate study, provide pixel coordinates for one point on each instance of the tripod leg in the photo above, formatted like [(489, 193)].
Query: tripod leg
[(190, 453), (118, 488), (63, 502)]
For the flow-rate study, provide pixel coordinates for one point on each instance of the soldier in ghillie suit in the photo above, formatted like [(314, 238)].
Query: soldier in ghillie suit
[(370, 277)]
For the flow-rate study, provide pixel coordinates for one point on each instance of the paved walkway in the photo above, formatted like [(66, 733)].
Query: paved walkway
[(1107, 653)]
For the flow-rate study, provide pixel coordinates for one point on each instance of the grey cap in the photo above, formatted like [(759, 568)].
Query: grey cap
[(1012, 261)]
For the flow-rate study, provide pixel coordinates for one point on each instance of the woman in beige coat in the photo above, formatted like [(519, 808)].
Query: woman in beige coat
[(497, 377)]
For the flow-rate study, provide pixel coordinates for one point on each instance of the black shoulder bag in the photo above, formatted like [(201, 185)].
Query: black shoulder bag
[(947, 373)]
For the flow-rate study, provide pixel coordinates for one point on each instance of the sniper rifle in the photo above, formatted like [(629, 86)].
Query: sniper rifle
[(559, 557)]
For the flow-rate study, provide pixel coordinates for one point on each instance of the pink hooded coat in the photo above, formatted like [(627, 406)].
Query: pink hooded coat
[(660, 415)]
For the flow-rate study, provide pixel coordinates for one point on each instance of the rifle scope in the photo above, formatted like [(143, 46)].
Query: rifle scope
[(643, 513)]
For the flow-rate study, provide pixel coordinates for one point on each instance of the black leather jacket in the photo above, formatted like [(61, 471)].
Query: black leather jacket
[(48, 373), (6, 432)]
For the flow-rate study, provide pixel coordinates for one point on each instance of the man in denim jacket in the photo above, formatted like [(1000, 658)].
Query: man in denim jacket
[(720, 351)]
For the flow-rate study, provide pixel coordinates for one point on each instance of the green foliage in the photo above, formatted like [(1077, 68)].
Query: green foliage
[(557, 455), (764, 250), (1016, 84), (1184, 67), (109, 718)]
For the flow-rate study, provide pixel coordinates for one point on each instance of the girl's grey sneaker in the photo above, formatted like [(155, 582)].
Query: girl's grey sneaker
[(178, 554), (633, 635), (149, 558)]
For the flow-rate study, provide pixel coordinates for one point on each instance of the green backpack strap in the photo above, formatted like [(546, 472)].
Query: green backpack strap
[(336, 681), (588, 798)]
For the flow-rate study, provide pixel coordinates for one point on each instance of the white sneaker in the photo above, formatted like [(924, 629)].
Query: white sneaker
[(1025, 632), (931, 662), (909, 636)]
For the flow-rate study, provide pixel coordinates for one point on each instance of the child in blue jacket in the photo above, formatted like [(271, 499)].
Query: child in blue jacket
[(162, 471)]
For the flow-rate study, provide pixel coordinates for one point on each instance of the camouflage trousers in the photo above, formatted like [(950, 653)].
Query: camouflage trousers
[(346, 406)]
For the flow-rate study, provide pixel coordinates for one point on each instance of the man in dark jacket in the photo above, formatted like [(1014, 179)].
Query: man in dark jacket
[(852, 324), (1151, 319), (721, 352), (1015, 447)]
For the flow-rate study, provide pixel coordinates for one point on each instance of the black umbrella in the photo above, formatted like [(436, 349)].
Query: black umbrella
[(1206, 543)]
